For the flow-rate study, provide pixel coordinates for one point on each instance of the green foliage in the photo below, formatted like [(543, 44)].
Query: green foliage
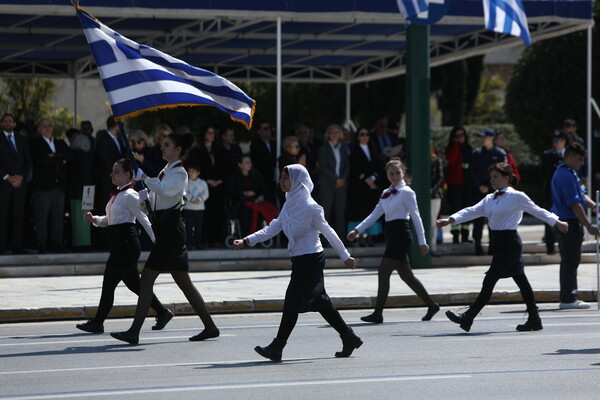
[(488, 107), (549, 85)]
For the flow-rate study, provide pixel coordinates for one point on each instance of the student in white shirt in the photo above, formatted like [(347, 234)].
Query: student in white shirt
[(504, 210), (398, 203), (122, 210), (301, 220), (196, 193), (169, 253)]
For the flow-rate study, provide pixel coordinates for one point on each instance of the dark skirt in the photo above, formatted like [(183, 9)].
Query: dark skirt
[(507, 254), (306, 290), (124, 246), (169, 253), (398, 239)]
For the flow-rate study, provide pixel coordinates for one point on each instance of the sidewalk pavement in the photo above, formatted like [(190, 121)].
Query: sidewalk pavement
[(76, 297)]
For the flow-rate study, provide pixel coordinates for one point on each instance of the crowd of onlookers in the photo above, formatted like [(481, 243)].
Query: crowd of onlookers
[(44, 177)]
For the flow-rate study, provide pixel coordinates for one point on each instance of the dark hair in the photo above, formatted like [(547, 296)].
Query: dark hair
[(569, 122), (110, 122), (241, 157), (183, 140), (8, 115), (126, 164), (195, 166), (505, 170), (575, 149), (453, 132)]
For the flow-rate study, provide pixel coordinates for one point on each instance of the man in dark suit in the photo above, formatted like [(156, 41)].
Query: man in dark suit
[(334, 169), (15, 164), (388, 144), (263, 152), (50, 157), (108, 148), (550, 161)]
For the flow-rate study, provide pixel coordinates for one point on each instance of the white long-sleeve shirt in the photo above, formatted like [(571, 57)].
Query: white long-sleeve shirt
[(505, 212), (401, 205), (306, 236), (169, 191), (124, 208)]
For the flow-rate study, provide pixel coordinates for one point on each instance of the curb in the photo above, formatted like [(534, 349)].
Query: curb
[(271, 305)]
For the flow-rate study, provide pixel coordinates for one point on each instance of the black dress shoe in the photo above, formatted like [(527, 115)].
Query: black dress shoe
[(91, 326), (162, 320), (349, 342), (431, 311), (478, 250), (126, 337), (373, 318), (463, 320), (206, 334), (273, 351), (532, 324)]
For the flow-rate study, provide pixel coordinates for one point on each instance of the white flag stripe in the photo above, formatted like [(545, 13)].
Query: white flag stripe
[(148, 88)]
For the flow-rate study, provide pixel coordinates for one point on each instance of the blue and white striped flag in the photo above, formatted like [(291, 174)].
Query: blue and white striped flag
[(506, 16), (138, 78), (410, 8)]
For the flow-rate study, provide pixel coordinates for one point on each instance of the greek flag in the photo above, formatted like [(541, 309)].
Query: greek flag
[(138, 78), (506, 16), (410, 8)]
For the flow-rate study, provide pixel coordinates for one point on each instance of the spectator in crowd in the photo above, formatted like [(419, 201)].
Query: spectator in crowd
[(231, 152), (80, 175), (141, 146), (49, 157), (86, 128), (570, 128), (193, 211), (388, 144), (363, 192), (291, 154), (550, 161), (15, 166), (437, 192), (207, 154), (334, 169), (122, 264), (246, 184), (107, 150), (159, 133), (569, 202), (460, 189), (482, 158), (499, 141), (309, 146), (263, 151)]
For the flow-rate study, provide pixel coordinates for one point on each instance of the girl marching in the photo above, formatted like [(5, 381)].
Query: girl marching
[(504, 210), (397, 203)]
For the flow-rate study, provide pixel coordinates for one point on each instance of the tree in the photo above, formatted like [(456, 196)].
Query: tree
[(488, 107), (548, 85)]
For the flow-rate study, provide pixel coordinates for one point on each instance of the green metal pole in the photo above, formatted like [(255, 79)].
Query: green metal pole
[(417, 129)]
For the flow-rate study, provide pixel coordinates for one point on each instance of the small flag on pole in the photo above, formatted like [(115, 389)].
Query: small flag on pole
[(410, 8), (138, 78), (508, 17)]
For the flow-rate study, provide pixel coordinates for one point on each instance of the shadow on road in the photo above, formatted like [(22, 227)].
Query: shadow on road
[(112, 348), (562, 352)]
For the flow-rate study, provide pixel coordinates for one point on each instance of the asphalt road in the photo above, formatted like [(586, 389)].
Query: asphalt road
[(401, 359)]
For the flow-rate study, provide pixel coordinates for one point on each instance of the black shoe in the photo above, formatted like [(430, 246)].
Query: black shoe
[(463, 320), (431, 311), (464, 235), (478, 249), (91, 326), (455, 238), (349, 342), (162, 320), (206, 334), (532, 324), (126, 337), (273, 351), (373, 318)]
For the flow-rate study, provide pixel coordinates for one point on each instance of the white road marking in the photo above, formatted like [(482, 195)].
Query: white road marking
[(106, 340)]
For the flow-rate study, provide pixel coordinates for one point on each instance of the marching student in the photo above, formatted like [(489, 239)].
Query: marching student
[(301, 220), (122, 210), (504, 210), (397, 203), (169, 253)]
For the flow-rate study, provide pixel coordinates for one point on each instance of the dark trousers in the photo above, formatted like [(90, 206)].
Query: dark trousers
[(49, 206), (549, 238), (569, 246), (12, 211), (333, 202), (122, 266), (193, 228)]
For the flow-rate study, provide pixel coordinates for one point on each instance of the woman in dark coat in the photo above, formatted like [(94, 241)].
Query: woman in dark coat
[(363, 193)]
